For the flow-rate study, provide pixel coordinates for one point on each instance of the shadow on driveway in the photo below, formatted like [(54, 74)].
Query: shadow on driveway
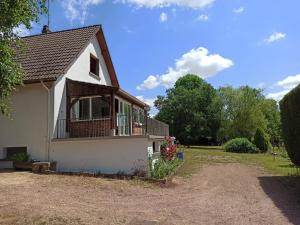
[(285, 193)]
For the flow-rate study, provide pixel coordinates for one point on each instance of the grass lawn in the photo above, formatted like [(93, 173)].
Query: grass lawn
[(198, 156)]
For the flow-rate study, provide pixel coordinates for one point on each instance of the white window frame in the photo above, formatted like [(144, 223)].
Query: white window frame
[(90, 110), (139, 115)]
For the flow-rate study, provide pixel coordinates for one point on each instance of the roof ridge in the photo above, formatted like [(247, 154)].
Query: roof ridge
[(61, 31)]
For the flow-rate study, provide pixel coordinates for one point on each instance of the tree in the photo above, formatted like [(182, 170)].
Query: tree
[(191, 110), (270, 109), (261, 140), (14, 13), (290, 116), (241, 115)]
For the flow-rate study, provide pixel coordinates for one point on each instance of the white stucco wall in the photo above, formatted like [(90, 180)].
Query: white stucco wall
[(28, 126), (79, 71), (105, 155)]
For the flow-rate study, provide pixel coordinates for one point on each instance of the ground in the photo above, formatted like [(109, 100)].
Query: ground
[(212, 187)]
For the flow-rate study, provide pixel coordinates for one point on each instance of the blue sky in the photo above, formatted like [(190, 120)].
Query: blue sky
[(227, 42)]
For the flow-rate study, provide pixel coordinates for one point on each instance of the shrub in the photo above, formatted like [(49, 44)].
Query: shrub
[(20, 157), (290, 118), (262, 140), (168, 149), (163, 168), (240, 145)]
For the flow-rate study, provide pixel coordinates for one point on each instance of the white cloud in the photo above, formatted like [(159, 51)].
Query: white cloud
[(163, 17), (276, 36), (194, 4), (77, 9), (21, 30), (150, 83), (202, 18), (290, 82), (278, 95), (239, 10), (287, 85), (148, 101), (196, 61)]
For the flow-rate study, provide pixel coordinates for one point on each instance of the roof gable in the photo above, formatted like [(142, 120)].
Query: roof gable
[(48, 56)]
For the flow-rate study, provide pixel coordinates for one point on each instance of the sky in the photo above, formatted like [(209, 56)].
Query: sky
[(226, 42)]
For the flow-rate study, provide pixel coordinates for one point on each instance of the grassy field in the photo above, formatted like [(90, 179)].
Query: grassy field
[(198, 156)]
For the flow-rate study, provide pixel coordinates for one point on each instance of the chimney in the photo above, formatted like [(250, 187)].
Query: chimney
[(46, 30)]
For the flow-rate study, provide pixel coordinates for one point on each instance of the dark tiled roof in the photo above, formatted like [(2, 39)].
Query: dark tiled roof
[(47, 56)]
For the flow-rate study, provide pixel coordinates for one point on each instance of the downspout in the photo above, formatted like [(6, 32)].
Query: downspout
[(48, 121)]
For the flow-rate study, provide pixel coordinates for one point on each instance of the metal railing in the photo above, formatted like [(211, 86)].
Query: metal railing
[(66, 128)]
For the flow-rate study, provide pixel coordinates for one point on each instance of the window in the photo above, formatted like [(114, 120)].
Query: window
[(84, 109), (94, 65), (138, 116), (91, 108)]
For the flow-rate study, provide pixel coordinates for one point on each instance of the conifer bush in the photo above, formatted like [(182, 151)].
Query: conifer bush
[(290, 118), (262, 140)]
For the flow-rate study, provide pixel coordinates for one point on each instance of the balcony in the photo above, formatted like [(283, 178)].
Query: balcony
[(67, 128)]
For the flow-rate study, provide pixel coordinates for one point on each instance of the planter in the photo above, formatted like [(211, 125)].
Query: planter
[(22, 165)]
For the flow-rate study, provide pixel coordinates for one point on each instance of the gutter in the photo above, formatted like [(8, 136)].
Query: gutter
[(48, 121)]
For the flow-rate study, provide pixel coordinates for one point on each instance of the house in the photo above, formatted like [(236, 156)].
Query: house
[(72, 110)]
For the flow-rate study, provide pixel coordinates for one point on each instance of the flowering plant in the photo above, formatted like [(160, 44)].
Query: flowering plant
[(168, 149)]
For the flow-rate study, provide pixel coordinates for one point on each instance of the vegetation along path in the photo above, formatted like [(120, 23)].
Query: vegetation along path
[(213, 187)]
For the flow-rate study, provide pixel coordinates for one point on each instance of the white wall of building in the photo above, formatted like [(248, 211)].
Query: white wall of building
[(79, 71), (111, 155), (28, 126)]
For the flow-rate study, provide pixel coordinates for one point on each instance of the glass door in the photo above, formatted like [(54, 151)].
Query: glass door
[(124, 119)]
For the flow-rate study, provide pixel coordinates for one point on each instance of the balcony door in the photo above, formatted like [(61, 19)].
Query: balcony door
[(124, 118)]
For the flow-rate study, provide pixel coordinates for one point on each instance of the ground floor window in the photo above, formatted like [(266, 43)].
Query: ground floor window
[(91, 108)]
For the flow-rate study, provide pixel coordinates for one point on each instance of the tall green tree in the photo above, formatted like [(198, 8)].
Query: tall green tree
[(191, 109), (241, 115), (14, 13), (271, 112)]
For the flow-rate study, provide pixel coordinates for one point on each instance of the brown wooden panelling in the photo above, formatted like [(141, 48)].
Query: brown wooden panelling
[(93, 128)]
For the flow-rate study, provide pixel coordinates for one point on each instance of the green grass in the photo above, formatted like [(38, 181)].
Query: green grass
[(196, 157)]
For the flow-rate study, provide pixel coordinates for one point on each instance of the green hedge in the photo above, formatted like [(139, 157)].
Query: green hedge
[(240, 145), (290, 118)]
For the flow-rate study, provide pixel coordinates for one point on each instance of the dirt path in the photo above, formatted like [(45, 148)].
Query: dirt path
[(219, 194)]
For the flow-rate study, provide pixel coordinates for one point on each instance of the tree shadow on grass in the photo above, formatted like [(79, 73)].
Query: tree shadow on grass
[(284, 191)]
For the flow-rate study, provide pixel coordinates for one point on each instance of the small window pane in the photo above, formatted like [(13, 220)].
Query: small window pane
[(96, 108), (84, 109), (101, 107), (94, 65)]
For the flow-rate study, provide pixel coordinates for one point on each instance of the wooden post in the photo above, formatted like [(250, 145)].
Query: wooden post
[(113, 114)]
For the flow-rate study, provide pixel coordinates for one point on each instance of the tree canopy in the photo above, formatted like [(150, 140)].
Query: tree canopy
[(198, 114), (14, 13), (190, 109)]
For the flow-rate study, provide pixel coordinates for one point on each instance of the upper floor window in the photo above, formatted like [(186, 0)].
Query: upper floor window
[(94, 65)]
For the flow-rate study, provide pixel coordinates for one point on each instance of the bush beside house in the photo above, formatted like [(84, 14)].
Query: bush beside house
[(290, 118), (167, 161)]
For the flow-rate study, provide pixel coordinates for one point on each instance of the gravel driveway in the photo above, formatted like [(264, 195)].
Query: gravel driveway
[(218, 194)]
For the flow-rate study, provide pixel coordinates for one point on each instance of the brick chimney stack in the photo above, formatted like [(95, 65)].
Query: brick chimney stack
[(46, 29)]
